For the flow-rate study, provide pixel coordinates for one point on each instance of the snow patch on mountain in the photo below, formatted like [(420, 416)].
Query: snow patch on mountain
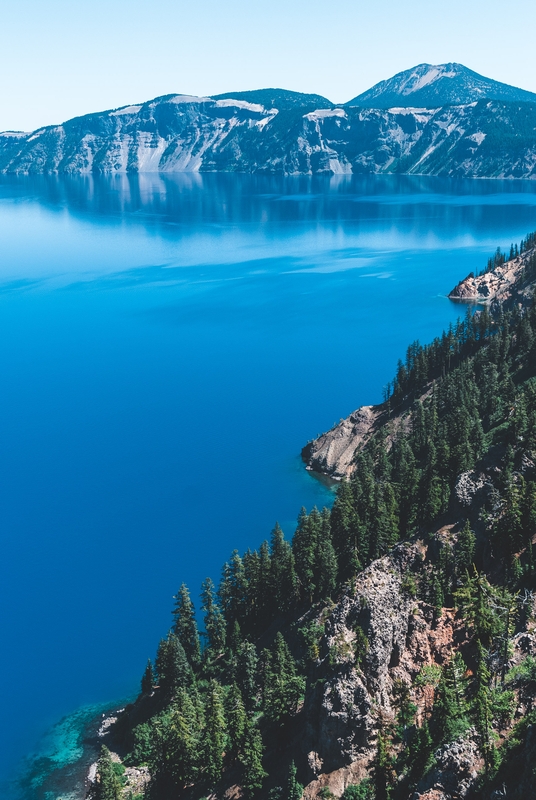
[(323, 113), (188, 98), (229, 103), (125, 110)]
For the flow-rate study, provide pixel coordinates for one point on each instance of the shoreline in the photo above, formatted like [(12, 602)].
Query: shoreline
[(63, 769)]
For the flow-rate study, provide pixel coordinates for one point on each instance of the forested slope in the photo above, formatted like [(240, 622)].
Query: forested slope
[(389, 648)]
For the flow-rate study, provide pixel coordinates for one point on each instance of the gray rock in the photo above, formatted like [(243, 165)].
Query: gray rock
[(456, 769)]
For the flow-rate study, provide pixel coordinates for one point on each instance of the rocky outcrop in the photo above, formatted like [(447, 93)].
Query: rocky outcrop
[(333, 453), (402, 636), (455, 771), (501, 284), (469, 485)]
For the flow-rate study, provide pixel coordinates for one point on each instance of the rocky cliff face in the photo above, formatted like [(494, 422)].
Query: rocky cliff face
[(403, 636), (333, 453), (500, 285), (183, 133)]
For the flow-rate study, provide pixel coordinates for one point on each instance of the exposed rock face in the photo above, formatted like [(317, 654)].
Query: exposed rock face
[(499, 285), (333, 453), (179, 133), (344, 714), (469, 484), (456, 769)]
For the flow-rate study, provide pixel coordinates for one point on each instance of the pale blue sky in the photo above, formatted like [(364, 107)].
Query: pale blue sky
[(61, 58)]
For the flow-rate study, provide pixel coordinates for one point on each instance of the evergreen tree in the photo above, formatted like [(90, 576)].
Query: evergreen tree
[(293, 789), (283, 686), (237, 720), (172, 666), (419, 753), (283, 581), (304, 546), (449, 716), (148, 679), (382, 771), (214, 734), (406, 710), (253, 773), (265, 598), (233, 591), (465, 550), (246, 674), (325, 578), (214, 619), (437, 599), (482, 709), (185, 626), (107, 785), (234, 639), (475, 602), (346, 533)]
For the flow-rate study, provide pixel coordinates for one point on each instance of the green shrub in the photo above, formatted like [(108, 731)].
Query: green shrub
[(359, 791), (429, 675)]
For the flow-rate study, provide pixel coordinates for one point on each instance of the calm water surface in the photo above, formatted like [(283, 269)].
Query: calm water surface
[(167, 346)]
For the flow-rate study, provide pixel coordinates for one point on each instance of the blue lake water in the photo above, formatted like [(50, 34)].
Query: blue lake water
[(167, 346)]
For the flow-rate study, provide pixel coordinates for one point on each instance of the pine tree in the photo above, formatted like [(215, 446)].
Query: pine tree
[(234, 640), (185, 626), (346, 533), (182, 741), (482, 708), (406, 710), (304, 545), (474, 600), (283, 581), (107, 786), (449, 718), (237, 720), (246, 673), (382, 772), (233, 590), (283, 686), (420, 752), (253, 773), (148, 679), (465, 550), (214, 619), (214, 734), (172, 666), (293, 790), (325, 560), (264, 595), (437, 599)]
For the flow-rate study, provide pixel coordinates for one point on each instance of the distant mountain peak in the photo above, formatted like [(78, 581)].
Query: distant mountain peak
[(435, 85)]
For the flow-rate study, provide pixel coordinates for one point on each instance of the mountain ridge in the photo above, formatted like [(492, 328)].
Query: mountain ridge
[(276, 131)]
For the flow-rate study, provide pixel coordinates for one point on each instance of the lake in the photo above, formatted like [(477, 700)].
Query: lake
[(167, 346)]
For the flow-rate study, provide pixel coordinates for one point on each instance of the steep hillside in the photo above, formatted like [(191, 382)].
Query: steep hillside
[(389, 649), (504, 282), (182, 133), (435, 85)]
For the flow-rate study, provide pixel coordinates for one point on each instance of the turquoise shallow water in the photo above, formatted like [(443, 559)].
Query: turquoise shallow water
[(167, 346)]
